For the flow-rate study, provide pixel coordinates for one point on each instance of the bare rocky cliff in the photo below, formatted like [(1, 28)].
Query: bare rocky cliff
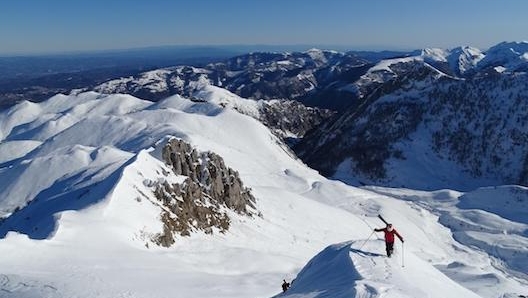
[(204, 199)]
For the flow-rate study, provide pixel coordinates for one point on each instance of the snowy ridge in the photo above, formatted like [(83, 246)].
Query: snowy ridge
[(483, 220), (154, 81), (354, 269), (454, 62), (79, 172), (267, 76), (224, 98)]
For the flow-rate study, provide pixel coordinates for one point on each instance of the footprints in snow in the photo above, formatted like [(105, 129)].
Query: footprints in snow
[(16, 286), (376, 271)]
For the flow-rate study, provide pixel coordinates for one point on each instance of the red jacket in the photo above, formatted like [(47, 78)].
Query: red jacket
[(389, 235)]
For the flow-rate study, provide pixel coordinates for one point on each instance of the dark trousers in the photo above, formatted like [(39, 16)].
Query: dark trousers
[(389, 247)]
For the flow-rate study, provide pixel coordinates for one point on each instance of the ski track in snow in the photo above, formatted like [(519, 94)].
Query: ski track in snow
[(16, 286), (376, 270)]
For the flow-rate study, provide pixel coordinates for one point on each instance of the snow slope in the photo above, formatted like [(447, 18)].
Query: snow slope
[(85, 213), (353, 269)]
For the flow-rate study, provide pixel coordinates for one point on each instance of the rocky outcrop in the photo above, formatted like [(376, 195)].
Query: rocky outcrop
[(203, 201), (290, 120)]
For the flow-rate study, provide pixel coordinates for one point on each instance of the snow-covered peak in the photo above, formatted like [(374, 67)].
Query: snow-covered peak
[(432, 56), (227, 99), (463, 59), (469, 51), (435, 54), (385, 65), (459, 60), (513, 56), (158, 81), (507, 56), (320, 57)]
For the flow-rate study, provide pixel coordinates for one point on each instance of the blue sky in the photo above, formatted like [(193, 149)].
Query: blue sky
[(38, 26)]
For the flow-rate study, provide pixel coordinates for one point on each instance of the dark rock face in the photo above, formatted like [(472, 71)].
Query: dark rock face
[(481, 124), (365, 133), (202, 201), (291, 120)]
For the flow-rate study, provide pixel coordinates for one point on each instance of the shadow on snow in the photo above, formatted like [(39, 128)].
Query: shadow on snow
[(330, 274), (39, 218)]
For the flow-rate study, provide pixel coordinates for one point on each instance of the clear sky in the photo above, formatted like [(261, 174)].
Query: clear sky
[(38, 26)]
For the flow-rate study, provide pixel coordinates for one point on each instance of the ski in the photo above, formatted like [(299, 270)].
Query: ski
[(382, 219)]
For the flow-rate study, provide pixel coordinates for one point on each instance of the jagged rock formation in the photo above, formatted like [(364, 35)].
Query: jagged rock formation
[(202, 201)]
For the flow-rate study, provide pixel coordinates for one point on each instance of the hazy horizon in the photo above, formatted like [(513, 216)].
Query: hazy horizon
[(228, 47), (33, 27)]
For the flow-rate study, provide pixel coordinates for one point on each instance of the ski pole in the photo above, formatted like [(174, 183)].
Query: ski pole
[(370, 227), (403, 264), (366, 240)]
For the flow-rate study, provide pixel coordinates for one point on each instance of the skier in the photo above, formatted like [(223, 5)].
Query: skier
[(389, 238), (285, 285)]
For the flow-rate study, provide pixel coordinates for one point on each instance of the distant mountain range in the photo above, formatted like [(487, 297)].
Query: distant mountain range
[(364, 117)]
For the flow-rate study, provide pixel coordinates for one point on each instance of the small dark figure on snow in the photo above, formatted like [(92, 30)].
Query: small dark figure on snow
[(285, 285), (389, 238)]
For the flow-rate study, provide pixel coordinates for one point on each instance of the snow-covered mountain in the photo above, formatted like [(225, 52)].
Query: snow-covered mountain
[(461, 109), (507, 56), (93, 185)]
